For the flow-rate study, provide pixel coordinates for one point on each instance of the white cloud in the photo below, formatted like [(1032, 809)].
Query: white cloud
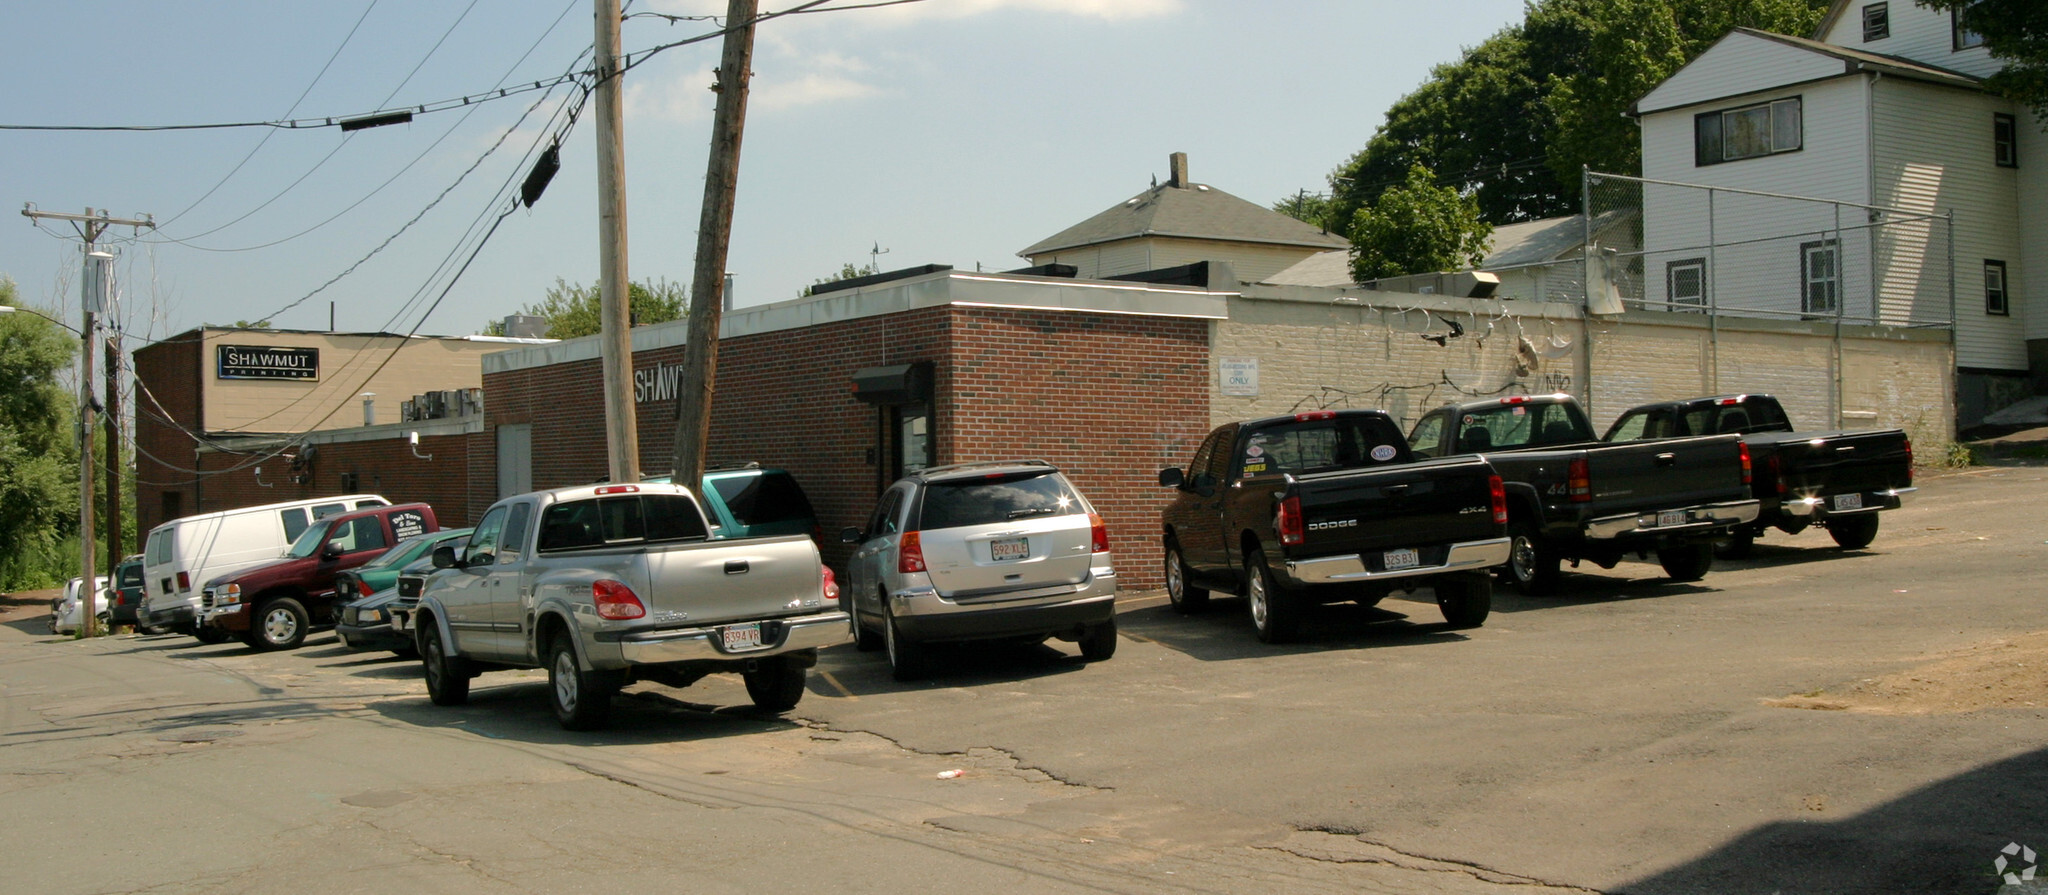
[(1105, 10), (776, 95), (679, 98)]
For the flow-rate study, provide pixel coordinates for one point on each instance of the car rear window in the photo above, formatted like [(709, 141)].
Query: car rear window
[(131, 575), (611, 520), (763, 499), (1004, 498), (1338, 443)]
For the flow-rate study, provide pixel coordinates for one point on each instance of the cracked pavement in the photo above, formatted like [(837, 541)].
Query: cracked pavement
[(1622, 738)]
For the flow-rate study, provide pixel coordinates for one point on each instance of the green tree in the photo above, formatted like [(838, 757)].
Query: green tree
[(573, 311), (38, 460), (1415, 228), (847, 272), (2016, 32), (1311, 208)]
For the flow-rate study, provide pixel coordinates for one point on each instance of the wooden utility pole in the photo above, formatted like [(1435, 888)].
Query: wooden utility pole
[(622, 430), (714, 234), (116, 548), (96, 285)]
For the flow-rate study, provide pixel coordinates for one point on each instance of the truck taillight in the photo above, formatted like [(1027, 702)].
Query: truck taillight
[(1316, 415), (1744, 445), (830, 588), (909, 554), (1499, 493), (1774, 475), (1515, 399), (1288, 522), (615, 600), (1579, 481), (363, 587), (1909, 462), (1098, 534)]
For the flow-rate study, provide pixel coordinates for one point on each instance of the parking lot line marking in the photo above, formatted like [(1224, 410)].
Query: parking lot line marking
[(836, 685)]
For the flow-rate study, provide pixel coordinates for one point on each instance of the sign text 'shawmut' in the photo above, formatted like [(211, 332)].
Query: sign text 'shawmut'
[(658, 384), (262, 362)]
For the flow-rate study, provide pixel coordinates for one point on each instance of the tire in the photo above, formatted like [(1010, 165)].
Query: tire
[(278, 624), (1740, 544), (1187, 598), (447, 676), (1100, 642), (907, 659), (1686, 562), (1275, 609), (151, 630), (863, 639), (1532, 562), (1466, 600), (582, 700), (211, 636), (1854, 532), (775, 685)]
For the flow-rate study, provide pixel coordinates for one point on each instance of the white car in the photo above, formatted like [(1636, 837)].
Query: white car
[(66, 611), (981, 551)]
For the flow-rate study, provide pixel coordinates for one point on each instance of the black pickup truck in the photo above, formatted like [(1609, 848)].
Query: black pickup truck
[(1572, 496), (1320, 507), (1835, 480)]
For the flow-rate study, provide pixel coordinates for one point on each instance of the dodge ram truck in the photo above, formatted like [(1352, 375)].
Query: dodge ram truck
[(1572, 496), (1293, 511), (1838, 481), (610, 584)]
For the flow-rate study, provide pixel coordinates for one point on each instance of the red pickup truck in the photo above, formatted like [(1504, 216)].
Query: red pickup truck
[(273, 605)]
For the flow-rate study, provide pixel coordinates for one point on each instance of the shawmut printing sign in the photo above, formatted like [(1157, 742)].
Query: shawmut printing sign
[(263, 362)]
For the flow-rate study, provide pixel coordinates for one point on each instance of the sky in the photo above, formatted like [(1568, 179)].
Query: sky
[(933, 132)]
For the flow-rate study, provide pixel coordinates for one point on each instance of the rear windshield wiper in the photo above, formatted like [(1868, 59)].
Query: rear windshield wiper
[(1034, 511)]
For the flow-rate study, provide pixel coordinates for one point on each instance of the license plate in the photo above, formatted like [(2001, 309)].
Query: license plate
[(1848, 501), (1671, 517), (741, 637), (1009, 548), (1402, 559), (398, 621)]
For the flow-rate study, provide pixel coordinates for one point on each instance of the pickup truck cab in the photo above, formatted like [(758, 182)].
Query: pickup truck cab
[(1291, 511), (272, 606), (1572, 496), (604, 585), (1838, 481)]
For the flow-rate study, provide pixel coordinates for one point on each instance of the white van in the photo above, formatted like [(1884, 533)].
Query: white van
[(183, 554)]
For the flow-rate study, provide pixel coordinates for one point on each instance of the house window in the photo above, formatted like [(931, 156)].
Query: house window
[(1820, 277), (1686, 283), (1963, 38), (1748, 132), (1877, 22), (2005, 140), (1994, 289)]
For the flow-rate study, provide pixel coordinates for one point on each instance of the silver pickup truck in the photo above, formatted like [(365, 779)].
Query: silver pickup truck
[(605, 585)]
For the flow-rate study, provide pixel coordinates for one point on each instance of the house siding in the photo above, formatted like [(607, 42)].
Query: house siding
[(1919, 34), (1739, 64)]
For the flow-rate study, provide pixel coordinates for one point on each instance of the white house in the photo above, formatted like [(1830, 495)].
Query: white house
[(1884, 111)]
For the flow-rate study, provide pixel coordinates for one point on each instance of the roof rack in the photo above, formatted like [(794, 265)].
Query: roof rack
[(978, 464)]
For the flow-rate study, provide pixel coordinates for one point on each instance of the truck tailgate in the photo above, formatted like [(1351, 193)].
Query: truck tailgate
[(1840, 462), (734, 580), (1666, 474), (1407, 506)]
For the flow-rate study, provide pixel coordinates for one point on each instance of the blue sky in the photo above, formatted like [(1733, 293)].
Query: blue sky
[(943, 131)]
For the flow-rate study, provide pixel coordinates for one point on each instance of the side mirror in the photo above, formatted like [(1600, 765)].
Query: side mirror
[(850, 536), (330, 552), (444, 558), (1171, 477)]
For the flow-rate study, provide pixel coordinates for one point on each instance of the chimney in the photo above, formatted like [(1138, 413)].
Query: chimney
[(1178, 165)]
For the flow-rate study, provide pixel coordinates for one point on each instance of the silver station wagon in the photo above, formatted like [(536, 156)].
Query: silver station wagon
[(981, 551)]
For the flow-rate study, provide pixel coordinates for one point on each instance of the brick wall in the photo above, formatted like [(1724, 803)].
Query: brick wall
[(167, 388), (383, 466)]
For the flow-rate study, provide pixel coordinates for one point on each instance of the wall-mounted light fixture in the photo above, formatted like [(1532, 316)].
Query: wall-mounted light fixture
[(259, 478), (415, 438)]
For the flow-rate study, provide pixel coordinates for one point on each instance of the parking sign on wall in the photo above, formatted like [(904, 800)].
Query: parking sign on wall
[(1240, 376)]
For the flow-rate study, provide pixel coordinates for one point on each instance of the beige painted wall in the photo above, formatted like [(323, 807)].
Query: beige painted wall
[(1367, 350), (349, 365)]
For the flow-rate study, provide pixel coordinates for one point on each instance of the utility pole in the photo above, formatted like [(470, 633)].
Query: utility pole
[(622, 430), (94, 287), (115, 547), (714, 235)]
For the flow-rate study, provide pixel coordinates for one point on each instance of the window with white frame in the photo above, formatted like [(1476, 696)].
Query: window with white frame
[(1995, 297), (1877, 22), (1962, 38), (2005, 143), (1686, 284), (1820, 277), (1747, 132)]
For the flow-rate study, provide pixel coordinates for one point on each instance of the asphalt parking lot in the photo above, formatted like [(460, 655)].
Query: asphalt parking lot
[(1809, 719)]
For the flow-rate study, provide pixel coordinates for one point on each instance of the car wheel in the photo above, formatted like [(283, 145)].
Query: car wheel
[(1532, 563), (447, 676), (1100, 641), (775, 685), (405, 652), (151, 630), (1275, 609), (278, 624), (1186, 597), (582, 699), (906, 657), (1686, 562), (211, 635), (1854, 532), (1465, 599), (863, 639)]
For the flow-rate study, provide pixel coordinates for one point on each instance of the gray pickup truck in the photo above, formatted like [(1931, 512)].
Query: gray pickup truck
[(606, 585)]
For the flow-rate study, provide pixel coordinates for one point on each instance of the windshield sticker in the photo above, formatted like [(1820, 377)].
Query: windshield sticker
[(1521, 411), (1254, 467), (1383, 453), (1255, 451)]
